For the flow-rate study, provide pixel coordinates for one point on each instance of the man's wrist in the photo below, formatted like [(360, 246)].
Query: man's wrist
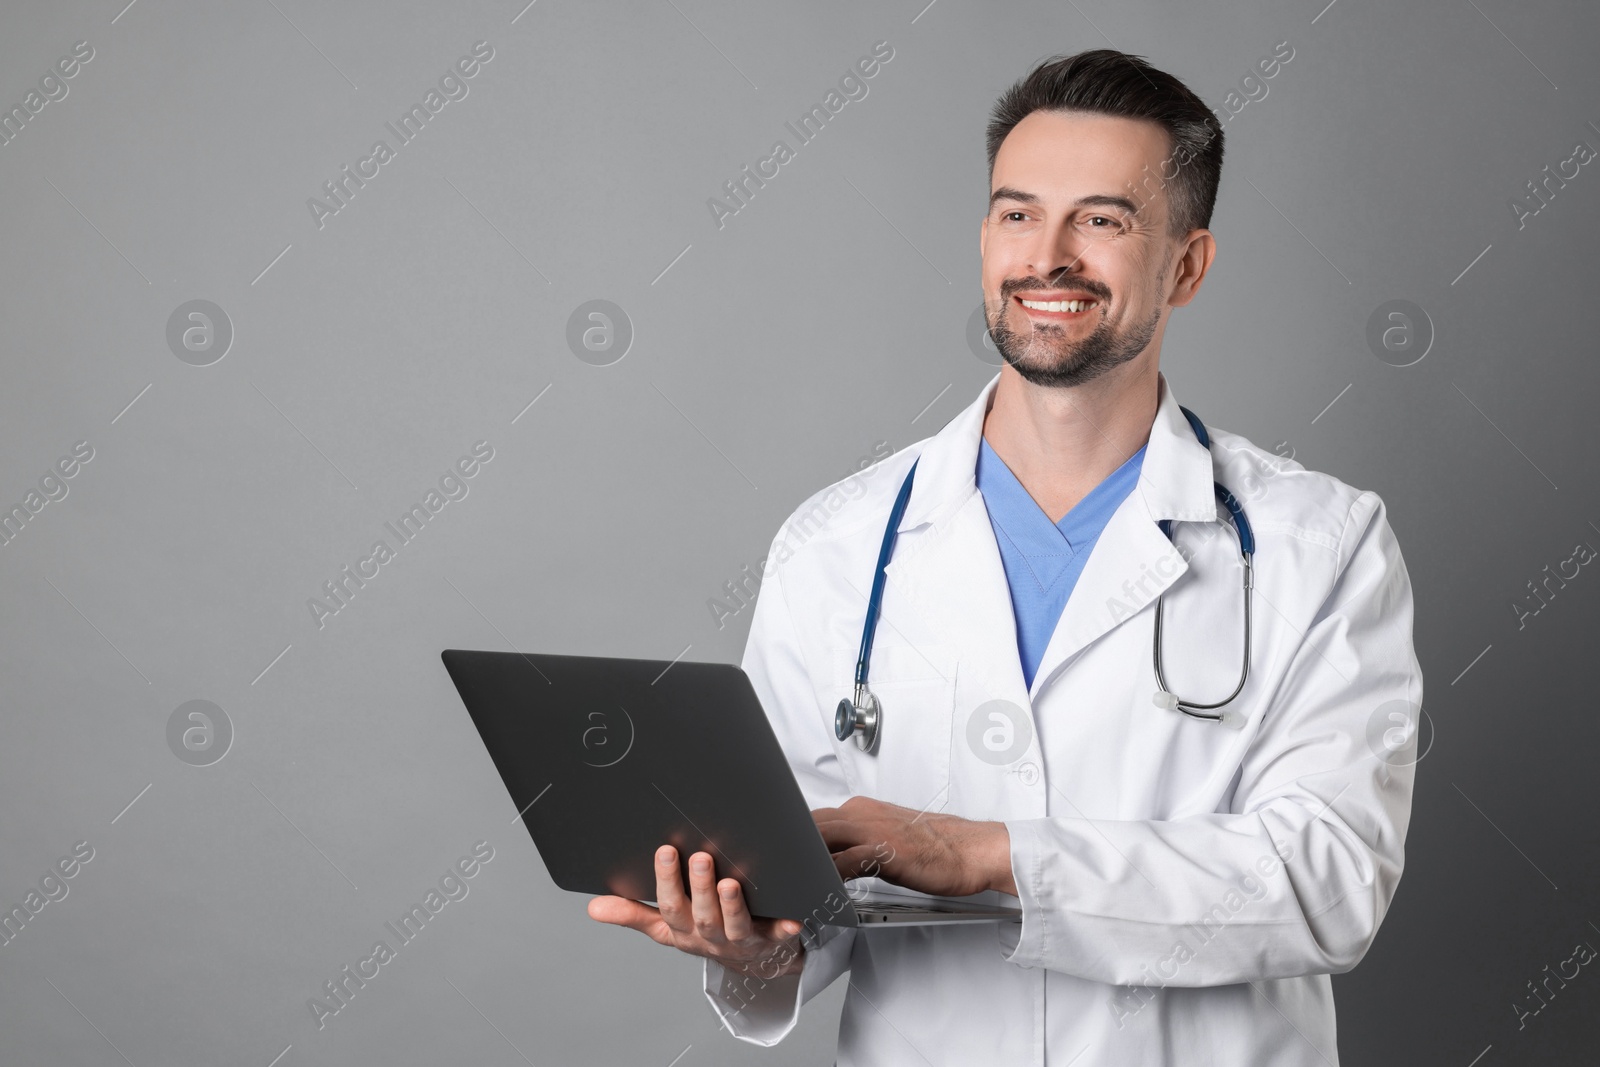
[(796, 963), (782, 961), (996, 853)]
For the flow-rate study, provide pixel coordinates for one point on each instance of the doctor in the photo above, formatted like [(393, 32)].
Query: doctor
[(1188, 884)]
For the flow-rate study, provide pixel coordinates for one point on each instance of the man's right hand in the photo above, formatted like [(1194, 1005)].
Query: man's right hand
[(709, 921)]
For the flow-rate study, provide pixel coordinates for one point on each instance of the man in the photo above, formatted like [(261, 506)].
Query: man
[(1187, 886)]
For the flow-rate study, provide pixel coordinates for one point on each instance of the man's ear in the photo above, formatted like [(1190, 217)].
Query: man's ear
[(1199, 251)]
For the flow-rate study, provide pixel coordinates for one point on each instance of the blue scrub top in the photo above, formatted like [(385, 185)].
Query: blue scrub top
[(1043, 559)]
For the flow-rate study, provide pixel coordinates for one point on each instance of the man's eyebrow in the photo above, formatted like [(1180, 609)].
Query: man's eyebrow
[(1122, 203), (1005, 192)]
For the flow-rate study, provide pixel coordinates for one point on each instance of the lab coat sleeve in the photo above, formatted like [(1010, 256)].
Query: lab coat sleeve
[(1297, 877), (763, 1011)]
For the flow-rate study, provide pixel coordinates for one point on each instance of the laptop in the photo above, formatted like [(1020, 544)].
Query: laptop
[(606, 760)]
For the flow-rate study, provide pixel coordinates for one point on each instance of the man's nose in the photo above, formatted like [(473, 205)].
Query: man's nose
[(1058, 253)]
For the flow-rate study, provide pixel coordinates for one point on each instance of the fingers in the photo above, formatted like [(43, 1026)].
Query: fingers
[(737, 924), (839, 834), (703, 904), (620, 911), (860, 861), (740, 925), (669, 890), (776, 929), (712, 920)]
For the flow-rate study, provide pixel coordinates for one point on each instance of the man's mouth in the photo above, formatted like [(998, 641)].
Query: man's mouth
[(1066, 309)]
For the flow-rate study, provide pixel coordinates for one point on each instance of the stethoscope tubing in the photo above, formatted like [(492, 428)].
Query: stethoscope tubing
[(863, 715), (875, 600)]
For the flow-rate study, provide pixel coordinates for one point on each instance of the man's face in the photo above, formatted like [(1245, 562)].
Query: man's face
[(1075, 215)]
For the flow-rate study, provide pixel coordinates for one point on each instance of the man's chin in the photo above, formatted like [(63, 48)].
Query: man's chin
[(1051, 370)]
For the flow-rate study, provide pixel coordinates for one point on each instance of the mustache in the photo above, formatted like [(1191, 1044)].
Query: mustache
[(1095, 289)]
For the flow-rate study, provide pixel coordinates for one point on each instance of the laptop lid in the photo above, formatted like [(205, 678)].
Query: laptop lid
[(608, 759)]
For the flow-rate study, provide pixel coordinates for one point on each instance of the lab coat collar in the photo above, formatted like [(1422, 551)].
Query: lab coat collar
[(954, 572), (1175, 479)]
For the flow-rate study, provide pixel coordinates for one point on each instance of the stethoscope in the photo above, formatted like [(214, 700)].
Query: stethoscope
[(862, 714)]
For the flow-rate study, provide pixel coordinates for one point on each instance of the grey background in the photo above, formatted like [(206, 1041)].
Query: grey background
[(769, 357)]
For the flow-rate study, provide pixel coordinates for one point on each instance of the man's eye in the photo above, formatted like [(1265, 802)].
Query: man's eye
[(1008, 215)]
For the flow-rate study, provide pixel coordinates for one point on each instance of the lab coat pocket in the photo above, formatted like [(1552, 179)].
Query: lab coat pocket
[(915, 687)]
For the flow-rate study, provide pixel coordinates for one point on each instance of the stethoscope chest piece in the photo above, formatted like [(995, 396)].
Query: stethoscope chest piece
[(859, 717)]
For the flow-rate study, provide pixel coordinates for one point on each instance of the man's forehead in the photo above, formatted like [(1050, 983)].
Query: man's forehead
[(1050, 153)]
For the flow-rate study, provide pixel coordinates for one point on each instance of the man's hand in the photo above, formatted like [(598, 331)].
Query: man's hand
[(711, 921), (924, 851)]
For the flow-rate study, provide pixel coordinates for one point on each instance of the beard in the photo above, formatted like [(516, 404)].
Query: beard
[(1044, 355)]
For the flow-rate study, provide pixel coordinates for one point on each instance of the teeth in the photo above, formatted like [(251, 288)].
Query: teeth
[(1058, 305)]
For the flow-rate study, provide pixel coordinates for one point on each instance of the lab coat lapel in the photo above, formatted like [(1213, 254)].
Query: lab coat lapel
[(958, 584), (1133, 562), (948, 566)]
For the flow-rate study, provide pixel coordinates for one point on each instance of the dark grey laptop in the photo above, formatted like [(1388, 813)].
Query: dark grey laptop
[(609, 759)]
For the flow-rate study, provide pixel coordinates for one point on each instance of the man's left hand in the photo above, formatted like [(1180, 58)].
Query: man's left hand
[(927, 852)]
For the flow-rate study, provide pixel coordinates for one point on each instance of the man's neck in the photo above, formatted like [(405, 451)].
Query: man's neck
[(1062, 442)]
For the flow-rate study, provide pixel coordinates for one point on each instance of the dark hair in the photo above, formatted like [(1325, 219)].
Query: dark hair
[(1116, 83)]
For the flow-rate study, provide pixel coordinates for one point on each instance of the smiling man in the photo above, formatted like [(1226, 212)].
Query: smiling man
[(1138, 676)]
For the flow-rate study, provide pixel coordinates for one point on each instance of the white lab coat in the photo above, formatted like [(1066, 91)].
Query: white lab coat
[(1187, 889)]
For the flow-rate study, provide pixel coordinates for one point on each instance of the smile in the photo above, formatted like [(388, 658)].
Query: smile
[(1059, 307)]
